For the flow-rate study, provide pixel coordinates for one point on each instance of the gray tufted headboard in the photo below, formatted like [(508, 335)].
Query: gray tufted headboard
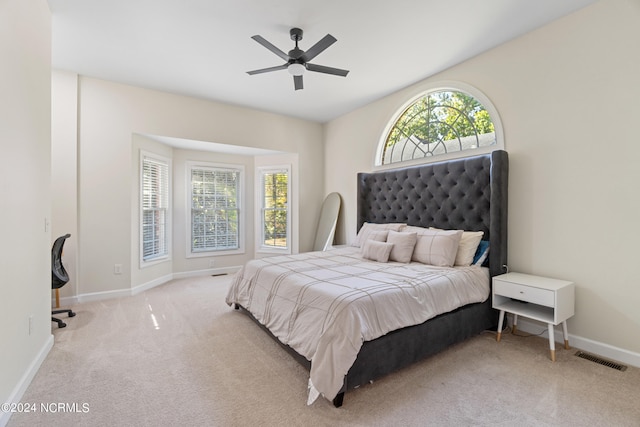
[(465, 194)]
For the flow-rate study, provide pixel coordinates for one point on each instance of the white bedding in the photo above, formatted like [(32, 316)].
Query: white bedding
[(324, 305)]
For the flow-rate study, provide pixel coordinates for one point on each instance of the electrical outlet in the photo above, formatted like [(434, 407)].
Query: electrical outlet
[(30, 324), (117, 269), (211, 263)]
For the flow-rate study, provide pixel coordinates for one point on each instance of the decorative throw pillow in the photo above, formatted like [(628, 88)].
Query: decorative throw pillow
[(481, 253), (378, 236), (376, 251), (436, 247), (403, 244), (368, 227)]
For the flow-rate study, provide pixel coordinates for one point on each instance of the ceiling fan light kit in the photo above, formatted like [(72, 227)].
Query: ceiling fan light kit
[(298, 59), (296, 69)]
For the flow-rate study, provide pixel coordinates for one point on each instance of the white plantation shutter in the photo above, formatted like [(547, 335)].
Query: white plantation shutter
[(155, 207)]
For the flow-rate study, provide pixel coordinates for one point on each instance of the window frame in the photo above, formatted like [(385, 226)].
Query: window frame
[(167, 255), (190, 166), (424, 91), (260, 197)]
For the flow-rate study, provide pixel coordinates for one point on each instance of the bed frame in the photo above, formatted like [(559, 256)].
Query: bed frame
[(466, 194)]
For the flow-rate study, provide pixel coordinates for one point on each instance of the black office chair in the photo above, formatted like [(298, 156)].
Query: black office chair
[(59, 277)]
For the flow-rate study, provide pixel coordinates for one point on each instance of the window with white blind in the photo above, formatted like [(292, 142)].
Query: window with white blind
[(274, 202), (214, 204), (154, 202)]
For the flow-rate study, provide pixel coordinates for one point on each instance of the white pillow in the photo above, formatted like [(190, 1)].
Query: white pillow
[(436, 247), (376, 251), (403, 244), (467, 247), (368, 227)]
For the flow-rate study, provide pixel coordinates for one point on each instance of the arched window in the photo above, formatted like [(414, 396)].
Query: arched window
[(441, 122)]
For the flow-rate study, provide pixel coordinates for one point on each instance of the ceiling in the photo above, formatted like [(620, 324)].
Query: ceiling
[(203, 48)]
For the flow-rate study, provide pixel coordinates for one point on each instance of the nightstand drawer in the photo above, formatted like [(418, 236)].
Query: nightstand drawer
[(525, 293)]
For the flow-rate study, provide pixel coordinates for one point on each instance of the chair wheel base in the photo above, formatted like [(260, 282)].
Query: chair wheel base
[(71, 314), (60, 323)]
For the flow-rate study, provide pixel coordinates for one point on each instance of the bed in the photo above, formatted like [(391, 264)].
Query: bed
[(466, 194)]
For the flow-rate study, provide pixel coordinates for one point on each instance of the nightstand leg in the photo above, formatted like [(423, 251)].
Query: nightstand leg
[(514, 329), (500, 321), (566, 335), (552, 343)]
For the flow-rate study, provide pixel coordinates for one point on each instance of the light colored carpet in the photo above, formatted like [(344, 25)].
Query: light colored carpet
[(178, 355)]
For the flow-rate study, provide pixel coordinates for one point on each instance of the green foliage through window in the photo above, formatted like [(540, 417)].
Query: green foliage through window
[(440, 122), (275, 199)]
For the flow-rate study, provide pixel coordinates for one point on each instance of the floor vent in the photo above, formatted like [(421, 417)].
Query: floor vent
[(219, 274), (601, 361)]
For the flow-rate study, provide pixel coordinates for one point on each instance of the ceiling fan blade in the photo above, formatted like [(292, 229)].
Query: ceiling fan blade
[(327, 70), (266, 70), (271, 47), (297, 82), (319, 47)]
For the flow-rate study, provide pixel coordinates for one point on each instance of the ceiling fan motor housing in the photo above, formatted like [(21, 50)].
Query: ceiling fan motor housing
[(296, 34)]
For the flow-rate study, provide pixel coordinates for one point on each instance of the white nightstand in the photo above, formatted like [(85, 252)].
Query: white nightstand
[(540, 298)]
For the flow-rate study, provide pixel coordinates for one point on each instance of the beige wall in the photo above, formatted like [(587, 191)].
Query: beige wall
[(64, 178), (25, 140), (568, 97), (111, 121)]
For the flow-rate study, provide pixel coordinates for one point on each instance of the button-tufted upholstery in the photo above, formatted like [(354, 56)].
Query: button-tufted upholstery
[(465, 194)]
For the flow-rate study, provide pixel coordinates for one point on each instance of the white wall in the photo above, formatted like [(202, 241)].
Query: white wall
[(568, 97), (25, 138), (109, 117)]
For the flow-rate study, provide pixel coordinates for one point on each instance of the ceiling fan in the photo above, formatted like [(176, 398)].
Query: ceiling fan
[(298, 60)]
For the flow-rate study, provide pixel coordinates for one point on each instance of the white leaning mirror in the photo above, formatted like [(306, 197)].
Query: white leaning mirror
[(327, 223)]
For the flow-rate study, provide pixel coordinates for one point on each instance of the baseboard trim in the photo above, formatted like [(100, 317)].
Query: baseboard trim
[(26, 379), (601, 349), (152, 284), (99, 296), (207, 272)]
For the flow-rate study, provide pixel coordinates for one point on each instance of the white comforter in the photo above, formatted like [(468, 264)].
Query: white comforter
[(326, 304)]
